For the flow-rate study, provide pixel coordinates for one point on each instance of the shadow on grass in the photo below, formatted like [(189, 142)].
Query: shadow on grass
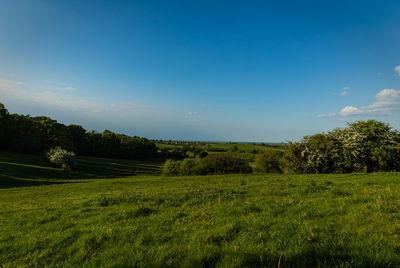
[(8, 182), (18, 170), (106, 167), (309, 258)]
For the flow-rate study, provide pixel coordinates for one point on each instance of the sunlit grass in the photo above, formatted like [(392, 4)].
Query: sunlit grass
[(228, 221)]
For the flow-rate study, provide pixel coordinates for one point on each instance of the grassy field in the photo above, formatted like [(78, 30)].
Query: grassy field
[(18, 170), (225, 146), (268, 220)]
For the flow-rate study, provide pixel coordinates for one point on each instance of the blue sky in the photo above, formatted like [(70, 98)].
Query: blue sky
[(207, 70)]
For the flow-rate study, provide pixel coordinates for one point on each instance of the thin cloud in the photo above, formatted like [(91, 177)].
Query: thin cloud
[(10, 91), (193, 113), (63, 88), (326, 115), (346, 93), (126, 117), (397, 69), (386, 102), (8, 84)]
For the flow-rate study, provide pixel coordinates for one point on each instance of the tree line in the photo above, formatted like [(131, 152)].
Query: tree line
[(363, 146), (27, 134)]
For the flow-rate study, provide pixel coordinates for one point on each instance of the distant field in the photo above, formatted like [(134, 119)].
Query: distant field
[(227, 221), (248, 147)]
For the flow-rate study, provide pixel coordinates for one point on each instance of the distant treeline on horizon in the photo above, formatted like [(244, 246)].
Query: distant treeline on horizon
[(179, 142)]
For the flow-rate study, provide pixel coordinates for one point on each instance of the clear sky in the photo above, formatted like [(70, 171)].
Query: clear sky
[(202, 70)]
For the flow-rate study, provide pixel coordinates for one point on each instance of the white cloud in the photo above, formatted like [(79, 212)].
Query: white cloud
[(387, 98), (386, 101), (349, 110), (346, 93), (346, 88), (397, 69), (193, 113)]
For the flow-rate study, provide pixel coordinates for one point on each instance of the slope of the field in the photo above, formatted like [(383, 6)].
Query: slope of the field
[(17, 170), (227, 221)]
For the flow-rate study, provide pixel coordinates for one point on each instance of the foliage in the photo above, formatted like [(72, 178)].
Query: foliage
[(364, 145), (26, 134), (171, 168), (4, 122), (377, 145), (216, 147), (183, 151), (25, 144), (219, 163), (188, 166), (269, 162), (62, 158), (222, 163)]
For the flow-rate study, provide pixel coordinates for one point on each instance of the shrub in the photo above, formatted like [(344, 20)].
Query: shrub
[(187, 166), (364, 145), (62, 158), (222, 163), (269, 162), (171, 168)]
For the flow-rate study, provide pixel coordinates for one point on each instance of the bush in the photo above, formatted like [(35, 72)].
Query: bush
[(364, 145), (62, 158), (222, 163), (187, 166), (269, 162), (171, 168)]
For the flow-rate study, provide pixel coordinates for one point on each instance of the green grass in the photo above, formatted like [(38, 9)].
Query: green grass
[(267, 220), (225, 146)]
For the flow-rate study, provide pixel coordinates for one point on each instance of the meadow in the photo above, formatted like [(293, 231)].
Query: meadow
[(112, 212), (212, 147), (17, 170)]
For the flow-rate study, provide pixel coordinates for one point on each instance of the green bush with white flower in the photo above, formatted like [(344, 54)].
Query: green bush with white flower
[(62, 158)]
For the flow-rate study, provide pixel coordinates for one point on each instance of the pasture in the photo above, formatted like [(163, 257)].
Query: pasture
[(212, 147), (112, 213)]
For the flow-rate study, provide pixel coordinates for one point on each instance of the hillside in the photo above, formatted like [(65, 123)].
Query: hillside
[(229, 221)]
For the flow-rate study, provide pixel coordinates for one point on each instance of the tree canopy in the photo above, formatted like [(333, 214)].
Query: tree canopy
[(24, 133), (364, 145)]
